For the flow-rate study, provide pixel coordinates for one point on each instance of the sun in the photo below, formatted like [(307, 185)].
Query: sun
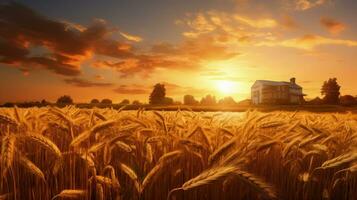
[(225, 87)]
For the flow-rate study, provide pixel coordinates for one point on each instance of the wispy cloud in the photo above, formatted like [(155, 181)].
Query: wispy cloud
[(132, 89), (78, 82), (308, 4), (309, 42), (131, 37), (257, 23)]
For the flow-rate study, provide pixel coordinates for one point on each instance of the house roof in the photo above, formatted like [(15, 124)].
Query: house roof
[(276, 83)]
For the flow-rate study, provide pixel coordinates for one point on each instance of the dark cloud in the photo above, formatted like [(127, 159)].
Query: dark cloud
[(22, 28), (86, 83), (67, 45)]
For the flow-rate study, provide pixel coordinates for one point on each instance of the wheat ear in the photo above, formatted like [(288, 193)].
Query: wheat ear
[(31, 167), (70, 194), (207, 177), (7, 152), (46, 143)]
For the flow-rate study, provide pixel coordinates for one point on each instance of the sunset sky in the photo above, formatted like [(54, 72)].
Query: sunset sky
[(119, 49)]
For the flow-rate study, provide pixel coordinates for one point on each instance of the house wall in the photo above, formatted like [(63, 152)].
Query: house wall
[(256, 94), (295, 95), (275, 94)]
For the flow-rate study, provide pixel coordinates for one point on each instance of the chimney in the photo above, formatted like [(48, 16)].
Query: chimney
[(292, 80)]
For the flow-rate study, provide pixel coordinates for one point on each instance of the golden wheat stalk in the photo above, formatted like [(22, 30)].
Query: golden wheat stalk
[(162, 118), (45, 142), (131, 173), (340, 160), (17, 114), (151, 176), (70, 194), (7, 120), (107, 181), (207, 177), (148, 153), (61, 115), (7, 152), (31, 167), (122, 146), (99, 192), (170, 156), (86, 134), (221, 150), (257, 184)]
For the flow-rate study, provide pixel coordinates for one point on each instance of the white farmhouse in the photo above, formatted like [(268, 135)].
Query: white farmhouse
[(276, 92)]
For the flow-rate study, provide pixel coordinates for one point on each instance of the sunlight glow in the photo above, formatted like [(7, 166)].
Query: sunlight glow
[(226, 87)]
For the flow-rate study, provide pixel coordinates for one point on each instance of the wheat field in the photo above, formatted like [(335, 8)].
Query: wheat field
[(71, 153)]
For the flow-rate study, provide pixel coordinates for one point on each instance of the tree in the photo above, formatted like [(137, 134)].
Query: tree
[(331, 91), (208, 100), (316, 101), (157, 95), (64, 100), (94, 101), (125, 102), (227, 101), (348, 100), (44, 102), (168, 101), (189, 100), (106, 101), (136, 102)]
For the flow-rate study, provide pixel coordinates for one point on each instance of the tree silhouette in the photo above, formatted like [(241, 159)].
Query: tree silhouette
[(157, 95), (348, 100), (189, 100), (168, 101), (136, 102), (125, 102), (331, 91), (227, 101), (94, 101), (208, 100), (106, 101), (316, 101), (64, 100), (44, 102)]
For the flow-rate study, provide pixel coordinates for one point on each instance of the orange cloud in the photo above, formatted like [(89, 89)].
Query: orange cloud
[(288, 22), (257, 23), (131, 37), (333, 26), (308, 42), (186, 55), (308, 4), (230, 28)]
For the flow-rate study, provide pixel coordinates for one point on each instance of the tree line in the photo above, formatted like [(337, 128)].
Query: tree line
[(330, 92)]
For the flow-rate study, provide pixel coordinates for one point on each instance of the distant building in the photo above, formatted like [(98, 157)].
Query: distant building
[(276, 92)]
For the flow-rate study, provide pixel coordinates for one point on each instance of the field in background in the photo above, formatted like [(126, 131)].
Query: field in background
[(52, 153)]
